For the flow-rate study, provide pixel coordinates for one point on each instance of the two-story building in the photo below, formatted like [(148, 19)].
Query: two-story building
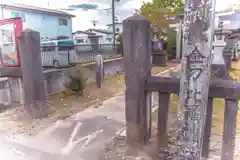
[(105, 36), (118, 27), (230, 19), (50, 23), (93, 36)]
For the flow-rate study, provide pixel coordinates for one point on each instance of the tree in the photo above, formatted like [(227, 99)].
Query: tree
[(160, 13)]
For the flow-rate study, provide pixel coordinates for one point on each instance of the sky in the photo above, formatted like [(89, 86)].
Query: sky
[(83, 19)]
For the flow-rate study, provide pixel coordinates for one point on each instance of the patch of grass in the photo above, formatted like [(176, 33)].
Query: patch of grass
[(174, 100), (217, 117), (76, 81)]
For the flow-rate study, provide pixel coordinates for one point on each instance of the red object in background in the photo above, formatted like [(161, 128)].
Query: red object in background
[(17, 28)]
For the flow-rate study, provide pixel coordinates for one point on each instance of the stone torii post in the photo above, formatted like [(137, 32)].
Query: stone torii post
[(198, 28)]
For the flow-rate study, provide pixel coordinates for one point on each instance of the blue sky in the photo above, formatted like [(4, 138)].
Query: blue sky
[(83, 19)]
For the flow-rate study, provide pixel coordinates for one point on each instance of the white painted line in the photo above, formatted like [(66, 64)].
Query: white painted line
[(72, 144), (19, 152), (154, 109), (66, 149), (165, 71), (122, 132)]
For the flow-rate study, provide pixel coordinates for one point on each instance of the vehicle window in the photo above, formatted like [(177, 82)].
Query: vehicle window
[(50, 48), (219, 37), (80, 41), (65, 48)]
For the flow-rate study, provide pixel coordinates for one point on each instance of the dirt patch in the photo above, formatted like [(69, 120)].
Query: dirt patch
[(15, 121), (119, 149)]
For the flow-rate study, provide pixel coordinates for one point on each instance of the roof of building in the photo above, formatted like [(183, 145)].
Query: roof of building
[(36, 9), (115, 23), (100, 31), (84, 32)]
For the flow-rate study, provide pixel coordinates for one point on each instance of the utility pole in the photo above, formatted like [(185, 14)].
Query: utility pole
[(48, 3), (113, 24), (94, 22)]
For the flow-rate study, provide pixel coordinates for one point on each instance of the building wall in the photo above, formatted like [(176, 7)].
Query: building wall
[(230, 19), (81, 38), (103, 38), (106, 39), (47, 25), (118, 28)]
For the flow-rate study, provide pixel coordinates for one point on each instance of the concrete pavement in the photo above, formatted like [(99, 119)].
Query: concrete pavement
[(80, 137)]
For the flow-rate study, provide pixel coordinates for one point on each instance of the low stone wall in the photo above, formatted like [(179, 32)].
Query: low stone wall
[(90, 56), (111, 68), (55, 79)]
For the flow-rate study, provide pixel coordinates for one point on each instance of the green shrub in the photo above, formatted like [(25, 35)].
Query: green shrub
[(76, 81)]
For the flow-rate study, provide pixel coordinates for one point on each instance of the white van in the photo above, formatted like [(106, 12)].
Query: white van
[(56, 53)]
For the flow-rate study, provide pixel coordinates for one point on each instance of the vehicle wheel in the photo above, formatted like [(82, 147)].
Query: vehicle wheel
[(56, 63)]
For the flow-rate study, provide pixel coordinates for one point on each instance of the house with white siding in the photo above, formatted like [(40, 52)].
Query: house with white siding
[(51, 24), (93, 36), (118, 27), (230, 19)]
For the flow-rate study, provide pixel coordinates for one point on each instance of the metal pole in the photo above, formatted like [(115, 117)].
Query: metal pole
[(113, 23), (195, 77)]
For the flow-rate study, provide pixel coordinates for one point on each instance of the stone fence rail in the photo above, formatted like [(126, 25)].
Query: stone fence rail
[(11, 90)]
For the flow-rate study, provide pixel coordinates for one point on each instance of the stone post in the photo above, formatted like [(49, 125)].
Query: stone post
[(195, 76), (220, 66), (178, 40), (137, 68), (99, 70), (32, 74)]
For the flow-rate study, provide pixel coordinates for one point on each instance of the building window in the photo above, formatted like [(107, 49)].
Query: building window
[(47, 48), (62, 22), (80, 41), (117, 30), (17, 14), (109, 39), (219, 37)]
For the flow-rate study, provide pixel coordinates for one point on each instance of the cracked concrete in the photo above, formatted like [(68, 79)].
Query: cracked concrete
[(82, 135)]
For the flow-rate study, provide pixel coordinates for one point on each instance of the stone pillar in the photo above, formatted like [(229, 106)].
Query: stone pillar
[(32, 74), (178, 41), (220, 66), (137, 68), (227, 53), (99, 70), (195, 77)]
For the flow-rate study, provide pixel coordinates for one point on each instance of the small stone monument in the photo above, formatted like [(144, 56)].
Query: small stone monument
[(99, 70), (32, 73), (159, 56)]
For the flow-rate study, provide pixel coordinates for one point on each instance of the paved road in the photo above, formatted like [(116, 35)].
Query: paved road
[(80, 137)]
